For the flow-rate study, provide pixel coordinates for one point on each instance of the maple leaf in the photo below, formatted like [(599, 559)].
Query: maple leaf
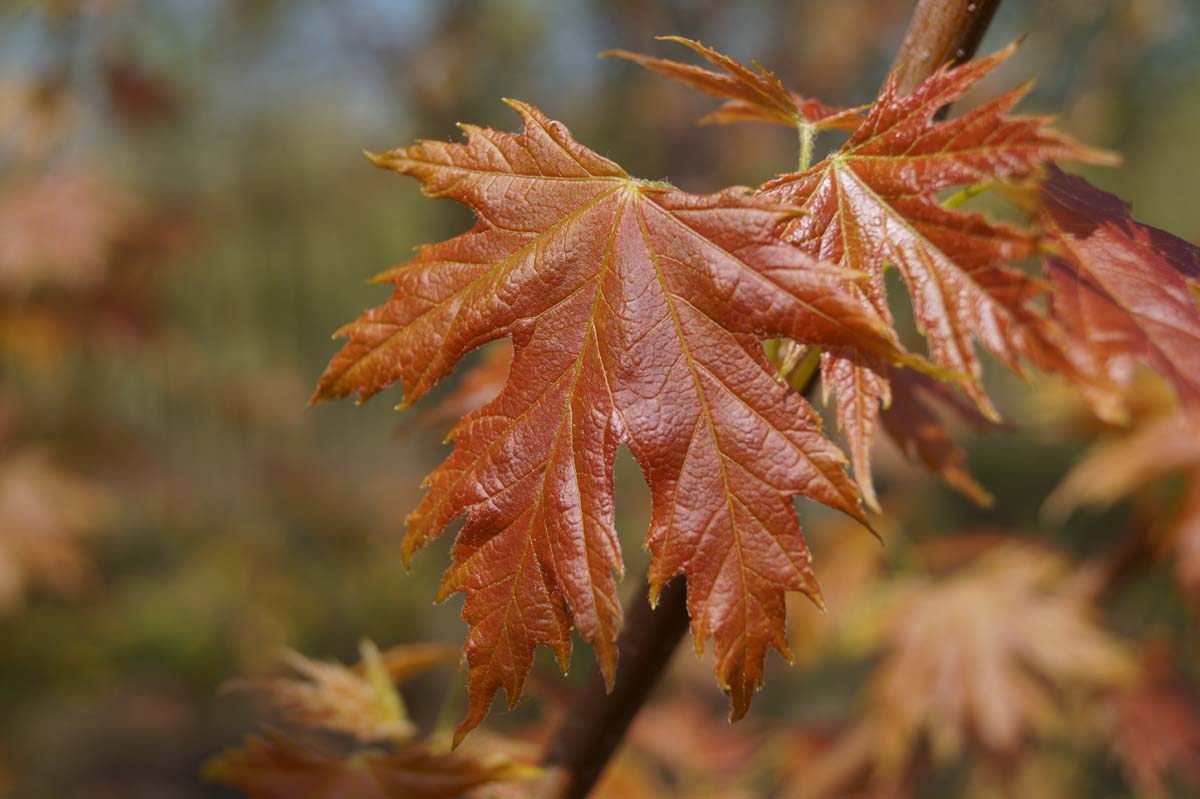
[(986, 645), (45, 513), (1156, 726), (751, 95), (277, 767), (874, 203), (1113, 469), (636, 313), (360, 702), (1122, 290)]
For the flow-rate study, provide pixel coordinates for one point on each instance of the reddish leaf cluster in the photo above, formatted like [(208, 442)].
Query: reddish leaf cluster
[(1123, 291), (637, 313)]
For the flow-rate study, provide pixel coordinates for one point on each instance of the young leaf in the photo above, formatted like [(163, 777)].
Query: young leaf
[(636, 313), (874, 203), (1122, 290), (360, 702), (751, 95), (277, 767), (1113, 469), (980, 653)]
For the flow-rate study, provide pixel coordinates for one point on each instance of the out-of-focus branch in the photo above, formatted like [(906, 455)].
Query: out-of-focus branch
[(596, 721), (940, 32)]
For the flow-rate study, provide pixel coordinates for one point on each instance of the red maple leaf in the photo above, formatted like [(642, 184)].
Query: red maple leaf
[(751, 95), (636, 312), (874, 203), (1123, 291)]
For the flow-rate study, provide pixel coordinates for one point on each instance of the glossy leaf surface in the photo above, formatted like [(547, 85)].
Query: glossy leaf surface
[(636, 313), (1124, 291), (874, 203)]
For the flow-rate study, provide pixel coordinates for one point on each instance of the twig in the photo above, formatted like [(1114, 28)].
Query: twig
[(596, 721), (940, 32)]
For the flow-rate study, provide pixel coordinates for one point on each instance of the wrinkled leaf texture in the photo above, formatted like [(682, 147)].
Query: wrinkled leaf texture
[(1123, 291), (875, 203), (636, 313)]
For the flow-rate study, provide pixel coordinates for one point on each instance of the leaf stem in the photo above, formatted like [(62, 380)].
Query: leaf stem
[(807, 134), (965, 193)]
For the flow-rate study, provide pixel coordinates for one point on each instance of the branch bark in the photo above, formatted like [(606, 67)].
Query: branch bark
[(596, 721), (940, 32)]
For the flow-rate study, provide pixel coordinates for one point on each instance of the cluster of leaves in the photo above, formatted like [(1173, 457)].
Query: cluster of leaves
[(638, 314), (1015, 668), (1020, 682), (61, 224), (346, 733), (378, 754)]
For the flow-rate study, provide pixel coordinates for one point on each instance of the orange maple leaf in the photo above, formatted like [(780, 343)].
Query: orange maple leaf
[(991, 648), (636, 312), (914, 423), (874, 203), (751, 95), (1123, 291)]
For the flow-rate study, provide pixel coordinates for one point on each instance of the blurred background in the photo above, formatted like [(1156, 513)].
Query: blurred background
[(186, 216)]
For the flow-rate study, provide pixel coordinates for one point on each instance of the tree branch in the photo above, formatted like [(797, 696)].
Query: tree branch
[(596, 721), (940, 32)]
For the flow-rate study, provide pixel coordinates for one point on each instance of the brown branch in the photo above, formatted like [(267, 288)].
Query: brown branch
[(941, 32), (596, 721)]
